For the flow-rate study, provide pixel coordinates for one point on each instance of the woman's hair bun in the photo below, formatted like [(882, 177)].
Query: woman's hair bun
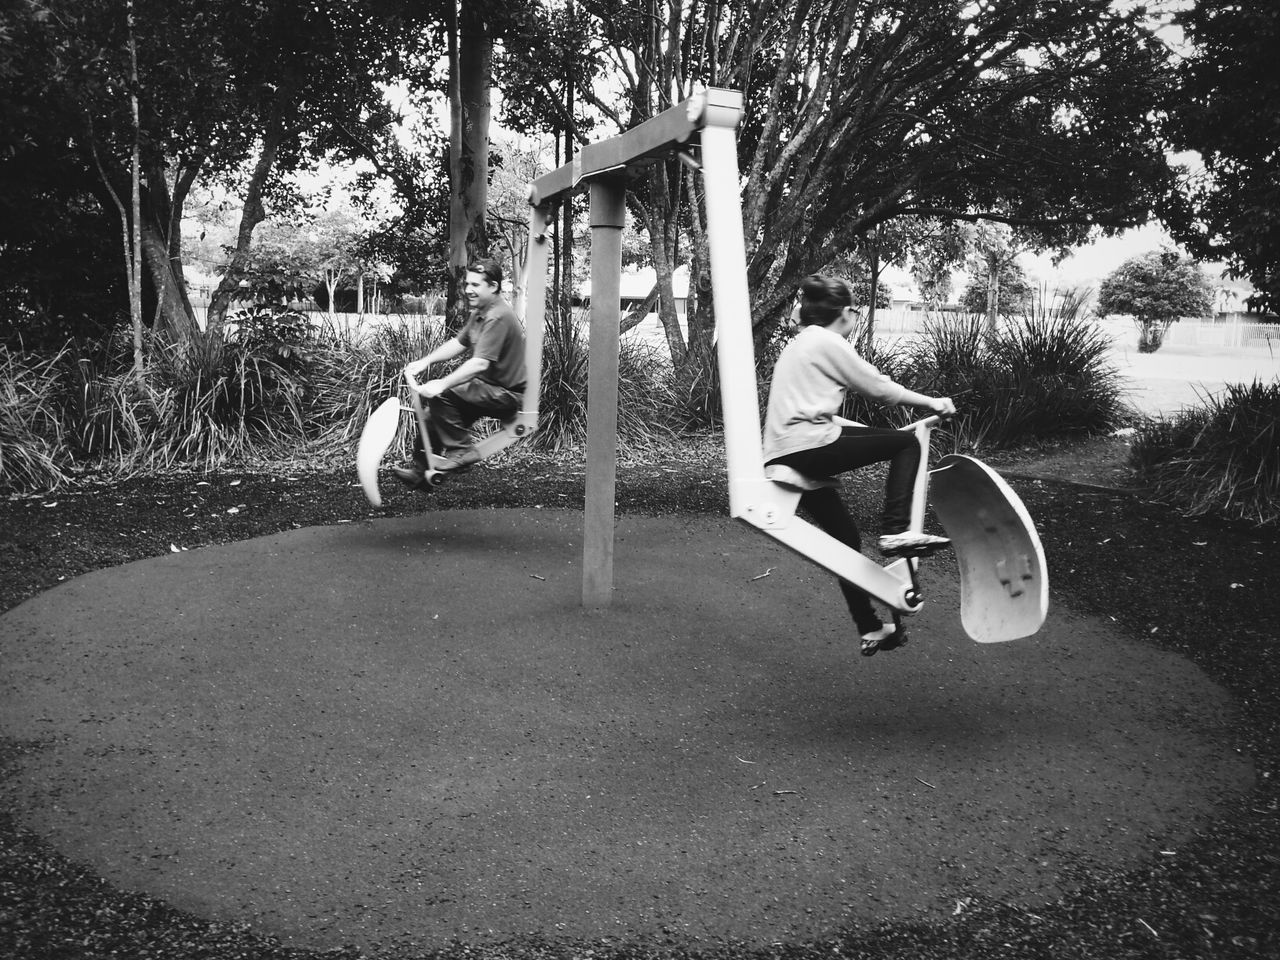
[(814, 287), (822, 299)]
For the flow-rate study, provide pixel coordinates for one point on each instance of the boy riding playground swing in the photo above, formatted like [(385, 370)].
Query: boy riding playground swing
[(1003, 577)]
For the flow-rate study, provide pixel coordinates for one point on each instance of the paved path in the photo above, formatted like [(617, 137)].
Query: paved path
[(408, 730)]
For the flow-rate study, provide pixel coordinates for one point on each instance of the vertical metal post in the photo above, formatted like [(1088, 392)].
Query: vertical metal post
[(735, 351), (608, 214), (535, 306), (920, 490)]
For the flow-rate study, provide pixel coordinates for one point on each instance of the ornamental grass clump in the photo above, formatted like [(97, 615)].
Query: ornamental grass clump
[(952, 358), (1222, 457), (1037, 378), (645, 399), (1062, 377), (353, 372), (31, 442), (199, 405), (210, 403)]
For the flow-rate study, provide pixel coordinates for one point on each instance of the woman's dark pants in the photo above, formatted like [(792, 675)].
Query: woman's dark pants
[(859, 447)]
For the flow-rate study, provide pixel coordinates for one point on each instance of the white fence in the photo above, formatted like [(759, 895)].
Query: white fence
[(1232, 333), (347, 322), (1264, 336)]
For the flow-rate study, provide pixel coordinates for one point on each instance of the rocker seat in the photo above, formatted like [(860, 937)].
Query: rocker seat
[(1004, 582), (793, 479)]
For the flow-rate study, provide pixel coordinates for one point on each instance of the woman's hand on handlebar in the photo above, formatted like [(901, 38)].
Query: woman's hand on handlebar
[(942, 406)]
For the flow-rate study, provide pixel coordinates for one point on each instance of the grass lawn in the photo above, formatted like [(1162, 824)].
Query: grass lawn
[(1179, 375)]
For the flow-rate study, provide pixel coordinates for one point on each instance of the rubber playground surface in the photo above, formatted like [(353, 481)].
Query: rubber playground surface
[(409, 731)]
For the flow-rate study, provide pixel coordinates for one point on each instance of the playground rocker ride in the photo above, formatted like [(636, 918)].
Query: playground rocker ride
[(1004, 580), (1004, 587), (384, 423)]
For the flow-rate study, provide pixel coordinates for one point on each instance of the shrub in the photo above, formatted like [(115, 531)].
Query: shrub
[(31, 443), (210, 403), (645, 399), (562, 401), (952, 358), (353, 373), (1040, 377), (285, 337), (696, 403), (1055, 380), (1222, 457), (201, 404)]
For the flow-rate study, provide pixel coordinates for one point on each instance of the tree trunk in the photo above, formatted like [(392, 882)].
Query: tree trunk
[(564, 251), (331, 289), (175, 318), (993, 295), (869, 330), (641, 310), (698, 377), (519, 267), (699, 310), (471, 52), (174, 313), (360, 294), (565, 261), (134, 252), (253, 214), (663, 245), (1151, 334)]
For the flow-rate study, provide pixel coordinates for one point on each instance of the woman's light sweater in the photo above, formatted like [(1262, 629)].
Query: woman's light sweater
[(809, 383)]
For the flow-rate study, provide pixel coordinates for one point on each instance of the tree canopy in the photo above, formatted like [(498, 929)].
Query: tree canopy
[(1156, 289), (1226, 107), (226, 90), (859, 112), (867, 122), (1027, 113)]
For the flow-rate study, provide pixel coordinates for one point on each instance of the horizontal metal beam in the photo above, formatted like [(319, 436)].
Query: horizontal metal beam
[(668, 131)]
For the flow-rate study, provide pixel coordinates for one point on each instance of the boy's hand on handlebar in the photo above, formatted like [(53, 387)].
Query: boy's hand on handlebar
[(943, 407)]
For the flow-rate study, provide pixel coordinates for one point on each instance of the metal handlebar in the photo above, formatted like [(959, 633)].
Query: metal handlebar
[(930, 421)]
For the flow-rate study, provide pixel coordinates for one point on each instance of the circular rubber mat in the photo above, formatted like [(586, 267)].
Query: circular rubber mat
[(402, 732)]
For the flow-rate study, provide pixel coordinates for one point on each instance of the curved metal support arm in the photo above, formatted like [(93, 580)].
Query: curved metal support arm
[(770, 507), (420, 414)]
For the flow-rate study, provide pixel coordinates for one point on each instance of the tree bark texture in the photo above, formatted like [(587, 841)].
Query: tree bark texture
[(254, 213), (661, 214), (470, 81)]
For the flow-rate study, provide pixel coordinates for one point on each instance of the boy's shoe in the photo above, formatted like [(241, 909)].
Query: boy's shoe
[(909, 544), (889, 637), (460, 460), (411, 477)]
